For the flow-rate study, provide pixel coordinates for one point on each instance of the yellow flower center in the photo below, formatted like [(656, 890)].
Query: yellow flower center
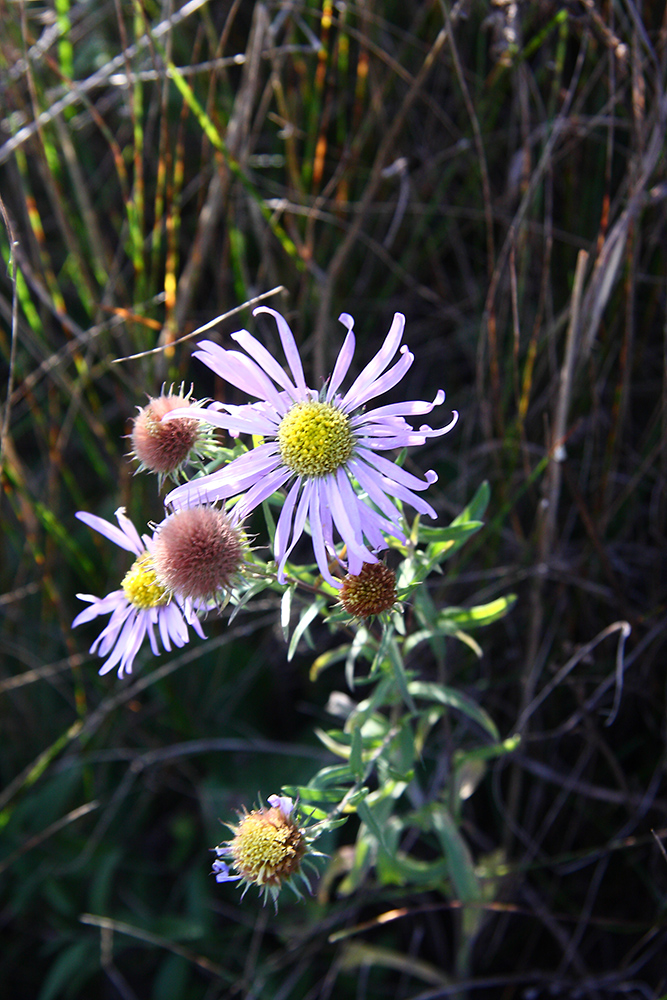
[(267, 847), (315, 439), (141, 586)]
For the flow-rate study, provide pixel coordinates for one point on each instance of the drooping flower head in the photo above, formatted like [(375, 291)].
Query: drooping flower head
[(267, 850), (196, 553), (324, 447), (371, 592), (165, 448), (141, 603)]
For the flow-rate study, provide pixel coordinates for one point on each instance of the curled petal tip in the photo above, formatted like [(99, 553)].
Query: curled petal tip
[(439, 397), (346, 320), (431, 477), (453, 421)]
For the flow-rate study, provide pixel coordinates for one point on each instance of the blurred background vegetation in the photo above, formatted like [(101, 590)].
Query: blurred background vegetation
[(496, 172)]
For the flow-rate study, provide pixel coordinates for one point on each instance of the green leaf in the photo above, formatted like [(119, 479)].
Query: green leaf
[(459, 861), (476, 509), (172, 978), (455, 699), (328, 659), (367, 707), (367, 817), (483, 614), (363, 642), (356, 746), (270, 522), (334, 773), (240, 601), (306, 618), (400, 674), (69, 965), (426, 874), (286, 611), (363, 860)]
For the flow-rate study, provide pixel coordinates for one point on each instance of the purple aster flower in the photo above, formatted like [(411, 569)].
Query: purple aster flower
[(141, 603), (324, 447)]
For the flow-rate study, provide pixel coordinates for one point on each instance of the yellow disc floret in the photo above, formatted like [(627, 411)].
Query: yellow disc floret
[(267, 847), (141, 586), (315, 439)]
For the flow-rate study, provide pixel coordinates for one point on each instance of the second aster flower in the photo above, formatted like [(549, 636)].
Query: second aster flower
[(324, 447), (141, 603)]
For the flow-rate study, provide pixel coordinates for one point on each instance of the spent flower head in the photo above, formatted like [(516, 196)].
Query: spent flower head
[(370, 592), (165, 448), (197, 552), (324, 448), (141, 603), (268, 850)]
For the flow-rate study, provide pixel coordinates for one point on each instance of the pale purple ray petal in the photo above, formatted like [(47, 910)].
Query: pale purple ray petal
[(222, 874), (282, 802), (230, 366), (343, 362), (240, 371), (374, 526), (395, 472), (383, 383), (98, 606), (127, 538), (240, 474), (107, 636), (254, 422), (284, 526), (378, 442), (361, 515), (134, 641), (247, 375), (289, 347), (263, 489), (439, 431), (119, 647), (297, 531), (193, 620), (327, 521), (381, 359), (348, 525), (371, 482), (163, 628), (315, 518), (380, 524), (407, 496), (150, 631), (178, 629), (411, 407), (129, 530), (264, 358)]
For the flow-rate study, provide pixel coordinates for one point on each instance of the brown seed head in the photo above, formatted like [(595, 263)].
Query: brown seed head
[(370, 592), (196, 552), (163, 446)]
